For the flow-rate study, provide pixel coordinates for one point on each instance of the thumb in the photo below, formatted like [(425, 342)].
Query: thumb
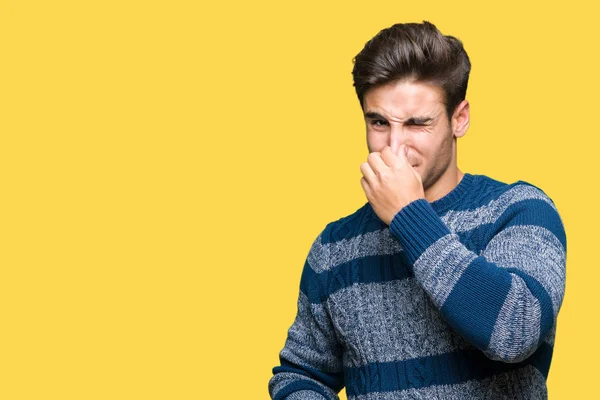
[(403, 152)]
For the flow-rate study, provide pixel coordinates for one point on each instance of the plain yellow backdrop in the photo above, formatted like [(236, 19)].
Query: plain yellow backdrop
[(165, 166)]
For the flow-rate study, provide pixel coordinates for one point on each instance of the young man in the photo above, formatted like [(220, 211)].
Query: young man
[(445, 284)]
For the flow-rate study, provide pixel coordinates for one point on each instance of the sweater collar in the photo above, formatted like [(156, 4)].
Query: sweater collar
[(465, 185)]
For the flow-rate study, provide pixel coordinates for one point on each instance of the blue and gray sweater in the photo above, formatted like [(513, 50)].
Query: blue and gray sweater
[(457, 298)]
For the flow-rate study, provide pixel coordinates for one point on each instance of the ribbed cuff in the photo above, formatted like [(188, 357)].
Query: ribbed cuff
[(305, 395), (417, 226)]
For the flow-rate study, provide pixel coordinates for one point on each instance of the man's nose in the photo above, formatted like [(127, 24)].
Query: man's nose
[(398, 137)]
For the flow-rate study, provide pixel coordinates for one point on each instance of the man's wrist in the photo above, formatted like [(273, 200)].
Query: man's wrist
[(417, 226)]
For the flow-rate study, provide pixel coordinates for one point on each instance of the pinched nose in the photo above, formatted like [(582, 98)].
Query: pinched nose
[(397, 139), (401, 148)]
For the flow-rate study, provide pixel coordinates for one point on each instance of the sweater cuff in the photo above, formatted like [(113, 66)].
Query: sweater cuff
[(305, 395), (417, 226)]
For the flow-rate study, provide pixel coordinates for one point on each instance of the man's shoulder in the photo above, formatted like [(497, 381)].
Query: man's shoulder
[(493, 204), (361, 221), (491, 191), (518, 207), (521, 203)]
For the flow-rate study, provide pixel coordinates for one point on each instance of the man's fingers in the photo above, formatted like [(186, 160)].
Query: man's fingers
[(402, 157), (366, 187), (367, 172), (376, 163), (403, 152), (390, 159)]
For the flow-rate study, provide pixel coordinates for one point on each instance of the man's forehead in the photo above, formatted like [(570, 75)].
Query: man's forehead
[(403, 100), (429, 113), (375, 113)]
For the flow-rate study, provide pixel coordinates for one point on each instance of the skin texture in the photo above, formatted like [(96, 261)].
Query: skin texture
[(412, 145)]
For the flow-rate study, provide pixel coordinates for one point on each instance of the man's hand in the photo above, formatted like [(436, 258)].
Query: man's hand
[(390, 182)]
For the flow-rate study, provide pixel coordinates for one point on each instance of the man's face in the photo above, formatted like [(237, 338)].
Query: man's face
[(411, 113)]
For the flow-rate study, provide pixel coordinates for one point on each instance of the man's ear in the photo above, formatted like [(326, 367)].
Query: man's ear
[(461, 118)]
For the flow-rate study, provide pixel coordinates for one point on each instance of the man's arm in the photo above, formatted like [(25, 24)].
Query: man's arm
[(504, 300), (311, 360)]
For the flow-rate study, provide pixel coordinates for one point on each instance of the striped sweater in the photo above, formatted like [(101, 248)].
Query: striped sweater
[(456, 299)]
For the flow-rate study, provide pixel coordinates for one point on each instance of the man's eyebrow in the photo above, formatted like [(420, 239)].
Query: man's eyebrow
[(374, 115), (418, 120), (409, 121)]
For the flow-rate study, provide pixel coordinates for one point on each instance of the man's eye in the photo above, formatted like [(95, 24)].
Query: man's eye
[(378, 122)]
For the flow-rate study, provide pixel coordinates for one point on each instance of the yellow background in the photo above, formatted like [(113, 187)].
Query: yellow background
[(165, 166)]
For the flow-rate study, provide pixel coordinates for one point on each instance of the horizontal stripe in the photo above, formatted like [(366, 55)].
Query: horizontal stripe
[(333, 381), (390, 321), (371, 269), (443, 369), (532, 212), (526, 383), (323, 257), (363, 220), (459, 221)]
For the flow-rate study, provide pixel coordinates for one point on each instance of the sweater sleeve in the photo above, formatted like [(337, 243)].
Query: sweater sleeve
[(311, 359), (504, 300)]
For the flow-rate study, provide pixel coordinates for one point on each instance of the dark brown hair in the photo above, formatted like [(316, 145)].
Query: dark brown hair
[(417, 52)]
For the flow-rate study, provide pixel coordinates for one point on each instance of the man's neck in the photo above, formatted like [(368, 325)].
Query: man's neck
[(444, 185)]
